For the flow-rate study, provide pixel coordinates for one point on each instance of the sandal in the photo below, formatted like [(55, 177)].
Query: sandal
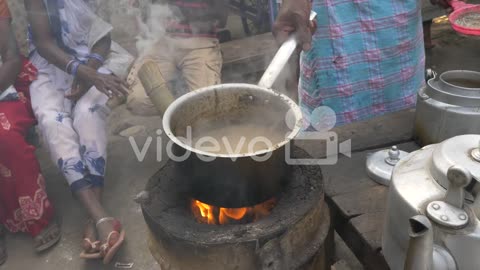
[(3, 245), (48, 237), (109, 249)]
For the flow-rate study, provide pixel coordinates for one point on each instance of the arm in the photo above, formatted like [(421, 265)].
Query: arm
[(8, 51), (79, 86), (48, 49), (102, 47), (294, 16), (45, 42)]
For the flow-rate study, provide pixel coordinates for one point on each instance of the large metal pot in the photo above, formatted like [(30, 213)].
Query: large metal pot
[(232, 180), (449, 106), (236, 180)]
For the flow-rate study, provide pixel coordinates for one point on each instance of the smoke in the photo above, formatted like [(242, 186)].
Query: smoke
[(150, 26), (143, 29), (151, 21)]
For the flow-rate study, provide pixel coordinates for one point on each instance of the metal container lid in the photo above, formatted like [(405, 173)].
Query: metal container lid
[(461, 150), (380, 164), (456, 87)]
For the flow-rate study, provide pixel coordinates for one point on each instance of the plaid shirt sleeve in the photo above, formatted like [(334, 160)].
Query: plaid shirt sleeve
[(4, 11)]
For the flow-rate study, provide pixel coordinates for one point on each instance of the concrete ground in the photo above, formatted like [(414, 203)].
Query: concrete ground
[(127, 176)]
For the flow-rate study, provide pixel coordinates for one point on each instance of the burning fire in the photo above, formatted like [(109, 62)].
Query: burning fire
[(214, 215)]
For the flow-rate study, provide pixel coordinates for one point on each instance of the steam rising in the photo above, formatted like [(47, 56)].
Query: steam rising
[(152, 29)]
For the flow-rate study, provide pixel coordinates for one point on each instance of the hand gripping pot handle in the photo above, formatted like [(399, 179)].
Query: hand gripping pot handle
[(281, 59)]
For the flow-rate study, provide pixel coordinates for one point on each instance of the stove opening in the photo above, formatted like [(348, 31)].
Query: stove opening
[(213, 215)]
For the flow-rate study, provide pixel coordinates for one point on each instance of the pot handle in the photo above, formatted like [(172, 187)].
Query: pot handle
[(280, 60)]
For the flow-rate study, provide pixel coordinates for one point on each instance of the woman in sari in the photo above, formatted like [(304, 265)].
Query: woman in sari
[(24, 206), (72, 49)]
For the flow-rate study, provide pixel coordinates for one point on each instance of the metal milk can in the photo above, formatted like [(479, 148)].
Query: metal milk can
[(433, 208), (448, 106)]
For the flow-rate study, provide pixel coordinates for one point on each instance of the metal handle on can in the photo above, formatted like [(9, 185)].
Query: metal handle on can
[(430, 74), (281, 59), (458, 178)]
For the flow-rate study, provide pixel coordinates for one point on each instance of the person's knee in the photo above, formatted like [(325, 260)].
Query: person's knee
[(48, 120), (206, 69), (83, 109), (84, 112)]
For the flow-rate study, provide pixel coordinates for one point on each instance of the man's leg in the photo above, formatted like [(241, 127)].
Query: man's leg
[(202, 67)]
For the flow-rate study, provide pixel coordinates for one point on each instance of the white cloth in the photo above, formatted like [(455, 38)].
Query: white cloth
[(75, 132)]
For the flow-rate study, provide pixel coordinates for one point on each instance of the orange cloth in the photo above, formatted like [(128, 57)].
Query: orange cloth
[(4, 11)]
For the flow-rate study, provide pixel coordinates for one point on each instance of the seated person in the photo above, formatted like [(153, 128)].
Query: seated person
[(24, 206), (74, 54), (188, 50)]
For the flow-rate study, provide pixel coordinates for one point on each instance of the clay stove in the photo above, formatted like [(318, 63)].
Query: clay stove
[(289, 231)]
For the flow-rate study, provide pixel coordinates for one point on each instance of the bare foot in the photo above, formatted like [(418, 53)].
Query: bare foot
[(112, 235), (90, 243)]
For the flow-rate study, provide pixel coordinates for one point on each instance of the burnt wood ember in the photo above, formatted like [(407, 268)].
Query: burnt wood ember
[(296, 235)]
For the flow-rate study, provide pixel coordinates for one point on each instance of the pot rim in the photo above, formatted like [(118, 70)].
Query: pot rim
[(185, 98), (458, 73)]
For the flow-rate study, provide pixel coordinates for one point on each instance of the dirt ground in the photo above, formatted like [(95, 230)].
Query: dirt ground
[(127, 177)]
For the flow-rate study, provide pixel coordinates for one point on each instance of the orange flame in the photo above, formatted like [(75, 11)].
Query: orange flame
[(213, 215)]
